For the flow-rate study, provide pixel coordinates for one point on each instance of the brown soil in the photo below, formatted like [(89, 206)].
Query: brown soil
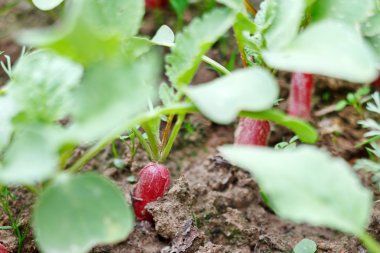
[(212, 207)]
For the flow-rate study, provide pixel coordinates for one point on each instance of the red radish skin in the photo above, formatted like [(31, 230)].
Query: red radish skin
[(156, 4), (301, 92), (376, 83), (252, 132), (3, 249), (154, 182)]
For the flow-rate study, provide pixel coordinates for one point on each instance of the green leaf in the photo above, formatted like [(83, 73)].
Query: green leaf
[(305, 246), (241, 90), (164, 36), (8, 110), (375, 42), (371, 27), (46, 5), (341, 105), (351, 12), (179, 6), (88, 33), (41, 85), (83, 211), (194, 42), (114, 17), (128, 88), (237, 5), (304, 130), (286, 23), (317, 51), (266, 15), (166, 94), (302, 186), (31, 158)]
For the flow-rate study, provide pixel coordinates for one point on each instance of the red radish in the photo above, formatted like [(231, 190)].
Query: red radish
[(252, 132), (3, 249), (376, 83), (301, 92), (154, 182), (153, 4)]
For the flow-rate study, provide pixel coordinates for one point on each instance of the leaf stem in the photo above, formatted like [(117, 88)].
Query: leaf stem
[(93, 151), (165, 134), (153, 141), (216, 65), (370, 243), (173, 136), (143, 142), (250, 8), (183, 108), (206, 59)]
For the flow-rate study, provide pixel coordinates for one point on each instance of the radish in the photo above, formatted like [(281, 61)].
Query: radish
[(301, 92), (252, 132), (376, 83), (153, 183), (156, 4), (3, 249)]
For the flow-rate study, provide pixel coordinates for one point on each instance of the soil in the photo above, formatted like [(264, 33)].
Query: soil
[(212, 206)]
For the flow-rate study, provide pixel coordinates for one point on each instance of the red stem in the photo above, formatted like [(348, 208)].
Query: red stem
[(252, 132), (301, 92)]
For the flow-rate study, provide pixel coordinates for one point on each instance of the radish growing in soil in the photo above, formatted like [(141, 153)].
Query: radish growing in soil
[(376, 83), (153, 4), (252, 132), (301, 92), (154, 182), (3, 249)]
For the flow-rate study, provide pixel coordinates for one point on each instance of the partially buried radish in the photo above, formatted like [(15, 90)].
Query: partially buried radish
[(154, 4), (376, 83), (252, 132), (3, 249), (154, 182), (301, 92)]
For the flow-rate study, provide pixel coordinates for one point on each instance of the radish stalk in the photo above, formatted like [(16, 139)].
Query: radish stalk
[(252, 132), (156, 4), (301, 92)]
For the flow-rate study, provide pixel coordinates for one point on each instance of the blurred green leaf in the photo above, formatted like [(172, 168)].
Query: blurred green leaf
[(318, 50), (167, 94), (302, 186), (285, 24), (341, 105), (194, 42), (237, 5), (305, 246), (40, 85), (114, 17), (375, 42), (8, 110), (371, 27), (164, 36), (88, 32), (31, 158), (351, 12), (46, 5), (241, 90), (112, 93), (83, 211), (179, 6)]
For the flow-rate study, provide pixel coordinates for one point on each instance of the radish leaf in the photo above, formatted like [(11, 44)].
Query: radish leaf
[(318, 50), (194, 42), (302, 186), (241, 90), (83, 211)]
